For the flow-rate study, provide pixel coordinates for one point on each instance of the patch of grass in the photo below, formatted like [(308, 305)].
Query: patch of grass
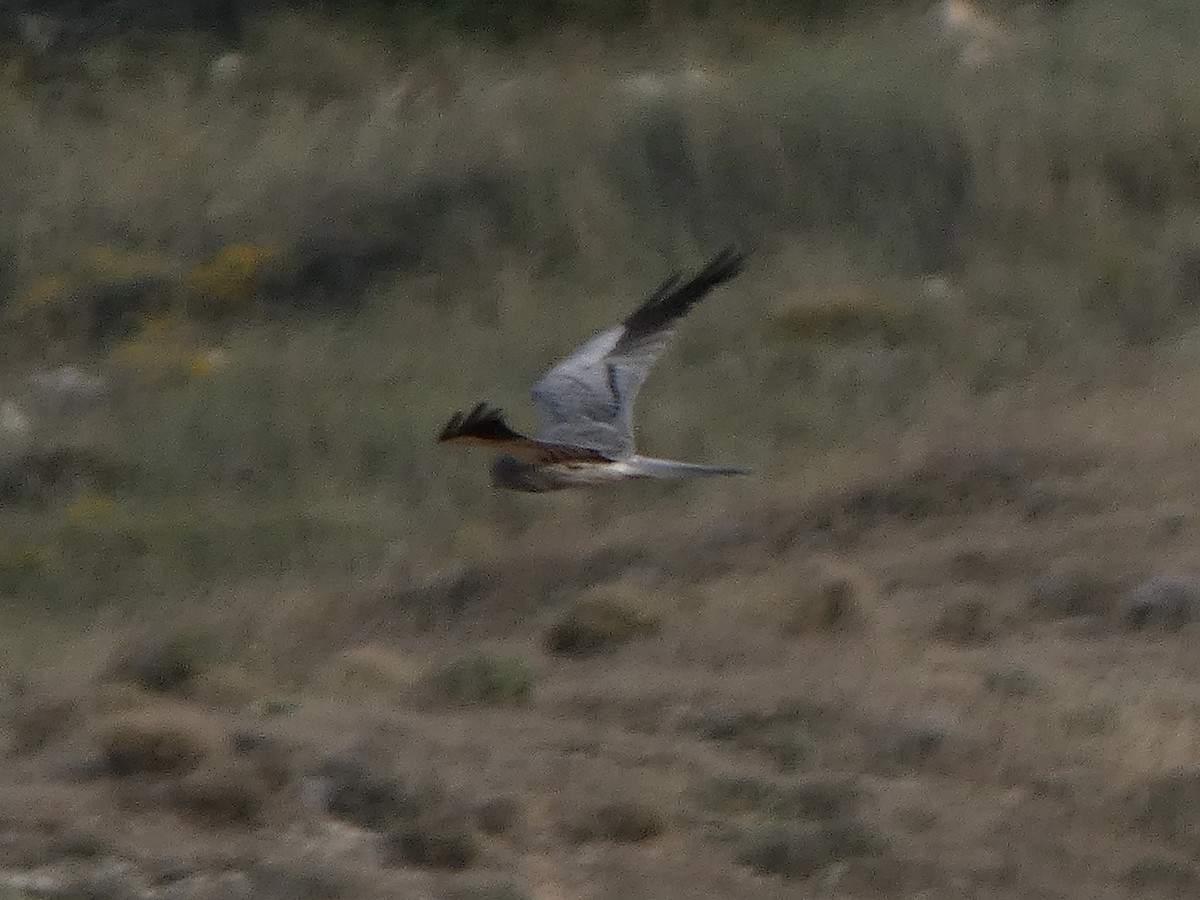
[(104, 885), (876, 183), (487, 890), (155, 741), (499, 815), (788, 736), (82, 843), (907, 746), (619, 821), (1012, 680), (1073, 588), (273, 758), (866, 313), (597, 624), (799, 851), (1169, 602), (826, 596), (164, 665), (306, 878), (814, 800), (438, 841), (379, 802), (1166, 804), (967, 620), (224, 796), (372, 668), (36, 721), (280, 706), (226, 686), (483, 680), (1155, 873)]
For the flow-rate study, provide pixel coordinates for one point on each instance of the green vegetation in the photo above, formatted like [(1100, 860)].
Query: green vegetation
[(597, 624), (485, 680), (288, 281), (619, 821)]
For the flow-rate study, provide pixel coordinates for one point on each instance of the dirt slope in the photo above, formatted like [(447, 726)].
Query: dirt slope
[(920, 678)]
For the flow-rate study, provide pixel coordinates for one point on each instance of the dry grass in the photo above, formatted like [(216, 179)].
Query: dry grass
[(218, 255), (901, 662), (156, 741)]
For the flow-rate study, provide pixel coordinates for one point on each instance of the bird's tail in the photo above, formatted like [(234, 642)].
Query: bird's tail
[(670, 470)]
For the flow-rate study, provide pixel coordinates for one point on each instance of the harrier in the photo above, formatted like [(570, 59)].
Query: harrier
[(586, 402)]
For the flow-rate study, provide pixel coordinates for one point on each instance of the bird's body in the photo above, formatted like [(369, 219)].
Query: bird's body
[(586, 403)]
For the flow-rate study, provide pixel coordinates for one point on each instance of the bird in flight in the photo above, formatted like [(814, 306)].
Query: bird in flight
[(586, 402)]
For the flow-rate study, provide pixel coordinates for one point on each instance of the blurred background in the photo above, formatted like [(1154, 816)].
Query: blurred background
[(253, 255)]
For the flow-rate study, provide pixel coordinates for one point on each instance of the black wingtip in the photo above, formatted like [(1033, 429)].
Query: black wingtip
[(673, 299), (483, 421), (726, 264)]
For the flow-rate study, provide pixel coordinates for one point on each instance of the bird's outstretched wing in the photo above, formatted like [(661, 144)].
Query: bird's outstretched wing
[(485, 426), (587, 399)]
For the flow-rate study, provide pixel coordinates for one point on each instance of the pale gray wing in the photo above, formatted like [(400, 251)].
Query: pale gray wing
[(587, 399)]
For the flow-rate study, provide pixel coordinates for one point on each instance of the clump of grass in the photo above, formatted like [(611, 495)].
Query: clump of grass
[(597, 624), (906, 746), (1169, 602), (82, 843), (619, 821), (826, 596), (310, 877), (36, 721), (1011, 680), (1073, 588), (228, 686), (166, 664), (438, 841), (375, 801), (966, 620), (230, 278), (481, 679), (372, 668), (797, 850), (1166, 804), (813, 800), (487, 890), (787, 736), (221, 796), (1157, 873), (273, 758), (860, 312), (104, 885), (499, 815), (155, 741)]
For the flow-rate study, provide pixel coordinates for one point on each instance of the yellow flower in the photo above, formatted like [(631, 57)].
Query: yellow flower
[(232, 275), (90, 507), (205, 362), (45, 290)]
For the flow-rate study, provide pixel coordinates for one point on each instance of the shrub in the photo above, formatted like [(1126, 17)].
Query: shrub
[(826, 597), (155, 741), (619, 821), (484, 680), (375, 801), (596, 625), (36, 721), (438, 841), (164, 665), (224, 796), (799, 850), (499, 815)]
